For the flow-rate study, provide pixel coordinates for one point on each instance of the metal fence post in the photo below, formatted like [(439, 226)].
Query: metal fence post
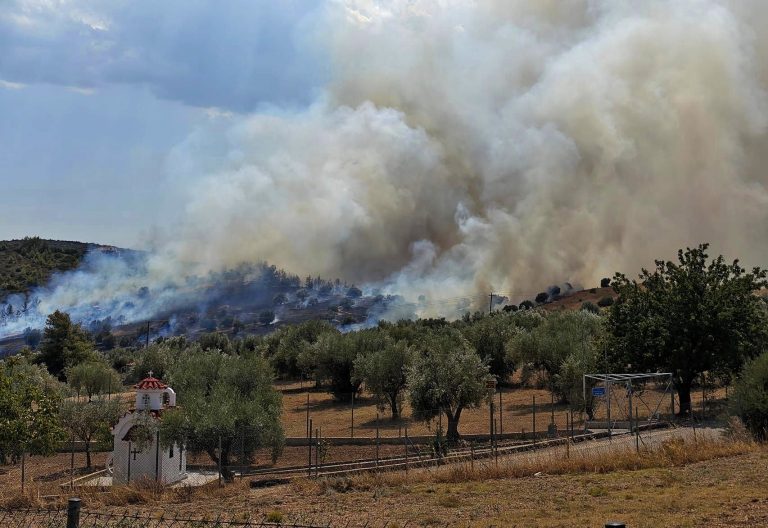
[(157, 455), (317, 452), (309, 449), (377, 441), (406, 451), (219, 460), (72, 464), (534, 422), (73, 513), (501, 414)]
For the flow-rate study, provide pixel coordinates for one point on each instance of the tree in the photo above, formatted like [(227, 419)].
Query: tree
[(384, 372), (526, 305), (32, 337), (354, 292), (64, 344), (688, 318), (157, 358), (489, 334), (331, 359), (589, 306), (541, 298), (88, 420), (750, 397), (605, 282), (266, 317), (28, 416), (561, 340), (447, 376), (93, 377), (286, 345), (227, 399)]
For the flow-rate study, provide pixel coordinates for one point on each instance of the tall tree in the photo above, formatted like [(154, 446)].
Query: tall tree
[(227, 399), (446, 377), (87, 420), (693, 316), (64, 344)]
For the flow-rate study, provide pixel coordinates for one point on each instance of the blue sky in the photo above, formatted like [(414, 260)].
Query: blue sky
[(94, 96)]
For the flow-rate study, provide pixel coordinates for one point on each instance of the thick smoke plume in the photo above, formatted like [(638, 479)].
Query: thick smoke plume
[(468, 147)]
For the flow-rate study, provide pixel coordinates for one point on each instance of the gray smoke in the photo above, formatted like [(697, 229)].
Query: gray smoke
[(497, 145)]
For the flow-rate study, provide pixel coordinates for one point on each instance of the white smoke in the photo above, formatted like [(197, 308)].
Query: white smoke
[(495, 145), (468, 146)]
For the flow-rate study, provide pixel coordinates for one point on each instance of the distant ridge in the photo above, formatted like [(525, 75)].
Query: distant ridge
[(31, 261)]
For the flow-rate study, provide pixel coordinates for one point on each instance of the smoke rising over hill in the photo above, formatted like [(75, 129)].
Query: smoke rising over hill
[(464, 147)]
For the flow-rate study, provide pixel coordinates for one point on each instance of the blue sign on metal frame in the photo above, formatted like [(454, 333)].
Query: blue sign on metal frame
[(598, 391)]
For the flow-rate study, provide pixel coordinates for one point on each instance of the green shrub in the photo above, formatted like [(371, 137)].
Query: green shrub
[(589, 306), (605, 301), (750, 397)]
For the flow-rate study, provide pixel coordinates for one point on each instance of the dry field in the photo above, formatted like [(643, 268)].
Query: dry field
[(680, 484), (44, 476)]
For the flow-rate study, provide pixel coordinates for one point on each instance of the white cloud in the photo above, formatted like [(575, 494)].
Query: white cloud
[(11, 85)]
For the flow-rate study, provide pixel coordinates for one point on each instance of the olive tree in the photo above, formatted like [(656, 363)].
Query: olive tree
[(489, 334), (563, 345), (223, 399), (28, 415), (93, 377), (446, 377), (88, 420), (384, 372)]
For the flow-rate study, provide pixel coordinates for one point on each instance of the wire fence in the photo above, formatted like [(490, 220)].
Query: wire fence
[(73, 517), (324, 432)]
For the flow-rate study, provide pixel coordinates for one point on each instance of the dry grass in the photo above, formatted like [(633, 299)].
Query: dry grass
[(670, 453), (680, 484)]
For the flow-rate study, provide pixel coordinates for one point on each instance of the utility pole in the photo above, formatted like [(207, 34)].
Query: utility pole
[(147, 345), (490, 304)]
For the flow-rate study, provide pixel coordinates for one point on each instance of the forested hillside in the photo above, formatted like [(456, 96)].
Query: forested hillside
[(30, 262)]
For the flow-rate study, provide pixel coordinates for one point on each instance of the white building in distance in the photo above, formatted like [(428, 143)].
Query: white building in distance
[(134, 458)]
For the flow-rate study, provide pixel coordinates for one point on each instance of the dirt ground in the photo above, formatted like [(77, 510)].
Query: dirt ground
[(335, 418)]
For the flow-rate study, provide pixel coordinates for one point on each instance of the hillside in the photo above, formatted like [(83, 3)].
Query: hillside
[(31, 261), (575, 299)]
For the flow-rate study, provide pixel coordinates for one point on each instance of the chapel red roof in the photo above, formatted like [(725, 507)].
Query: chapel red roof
[(150, 383)]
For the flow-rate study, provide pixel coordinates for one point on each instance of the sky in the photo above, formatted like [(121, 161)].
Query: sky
[(95, 96)]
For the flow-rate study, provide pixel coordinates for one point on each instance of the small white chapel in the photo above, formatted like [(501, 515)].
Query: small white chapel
[(134, 460)]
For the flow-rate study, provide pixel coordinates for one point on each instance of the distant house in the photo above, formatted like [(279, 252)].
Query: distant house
[(138, 454)]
